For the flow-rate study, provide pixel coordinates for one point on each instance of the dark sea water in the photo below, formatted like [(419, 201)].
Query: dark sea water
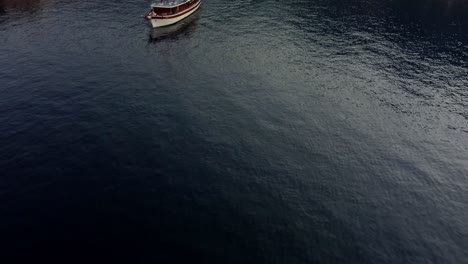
[(302, 131)]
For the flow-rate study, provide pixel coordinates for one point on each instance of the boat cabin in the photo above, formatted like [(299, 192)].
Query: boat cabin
[(171, 7)]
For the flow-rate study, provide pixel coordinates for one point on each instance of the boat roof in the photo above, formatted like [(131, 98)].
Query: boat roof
[(168, 3)]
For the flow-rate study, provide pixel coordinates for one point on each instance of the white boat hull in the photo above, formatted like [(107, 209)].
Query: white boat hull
[(161, 22)]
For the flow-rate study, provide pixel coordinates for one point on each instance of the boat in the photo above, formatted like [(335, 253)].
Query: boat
[(168, 12)]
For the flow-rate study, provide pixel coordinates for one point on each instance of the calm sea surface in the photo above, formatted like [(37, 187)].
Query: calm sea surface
[(302, 131)]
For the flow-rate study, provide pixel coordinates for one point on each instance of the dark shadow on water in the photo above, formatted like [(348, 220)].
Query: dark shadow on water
[(432, 11), (19, 9), (22, 6), (183, 28)]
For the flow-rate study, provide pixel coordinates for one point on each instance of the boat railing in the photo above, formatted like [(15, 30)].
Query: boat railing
[(164, 3)]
